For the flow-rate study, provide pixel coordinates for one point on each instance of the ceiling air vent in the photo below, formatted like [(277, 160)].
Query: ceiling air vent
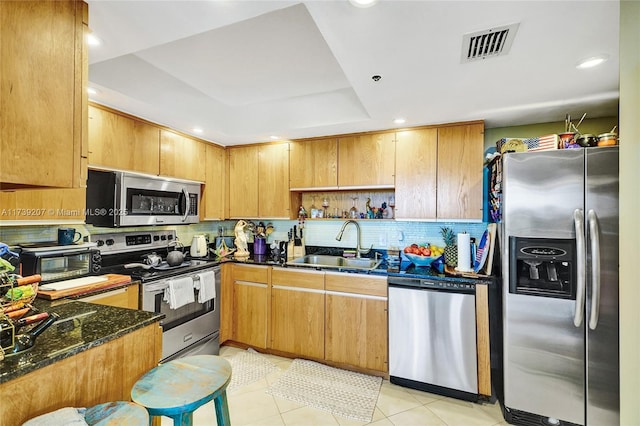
[(488, 43)]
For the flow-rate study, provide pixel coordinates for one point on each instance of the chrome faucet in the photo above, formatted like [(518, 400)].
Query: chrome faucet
[(359, 251)]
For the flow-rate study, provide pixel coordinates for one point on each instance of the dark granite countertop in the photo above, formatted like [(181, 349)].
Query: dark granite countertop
[(406, 269), (81, 326)]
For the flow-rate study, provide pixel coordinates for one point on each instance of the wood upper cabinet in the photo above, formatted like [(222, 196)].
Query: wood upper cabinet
[(313, 164), (120, 142), (212, 201), (366, 161), (459, 193), (243, 182), (273, 181), (52, 205), (182, 157), (297, 312), (250, 304), (43, 72), (416, 174), (356, 320), (259, 181)]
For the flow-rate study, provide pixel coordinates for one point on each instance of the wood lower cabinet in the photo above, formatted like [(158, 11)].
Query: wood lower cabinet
[(297, 312), (182, 157), (120, 142), (313, 164), (101, 374), (250, 304), (366, 161), (125, 297), (459, 193), (43, 57), (356, 320)]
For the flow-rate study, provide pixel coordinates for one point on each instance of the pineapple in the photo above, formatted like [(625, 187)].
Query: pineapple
[(451, 249)]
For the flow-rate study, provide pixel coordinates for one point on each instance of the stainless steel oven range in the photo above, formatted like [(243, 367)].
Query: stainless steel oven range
[(189, 328)]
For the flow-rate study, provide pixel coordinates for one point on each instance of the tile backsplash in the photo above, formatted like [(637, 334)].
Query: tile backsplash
[(380, 234)]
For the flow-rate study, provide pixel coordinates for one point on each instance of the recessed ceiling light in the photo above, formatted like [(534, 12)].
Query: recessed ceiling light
[(363, 3), (399, 121), (92, 91), (197, 130), (93, 40), (274, 137), (592, 61)]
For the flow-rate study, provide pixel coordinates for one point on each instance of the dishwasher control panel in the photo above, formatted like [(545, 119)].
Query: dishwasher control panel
[(446, 285)]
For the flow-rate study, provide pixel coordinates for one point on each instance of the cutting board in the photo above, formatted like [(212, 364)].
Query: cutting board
[(113, 280)]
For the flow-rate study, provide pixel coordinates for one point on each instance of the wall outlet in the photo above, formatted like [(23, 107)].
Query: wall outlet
[(382, 239), (399, 236)]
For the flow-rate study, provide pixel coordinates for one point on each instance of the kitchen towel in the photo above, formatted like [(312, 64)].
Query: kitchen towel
[(206, 286), (464, 253), (179, 292)]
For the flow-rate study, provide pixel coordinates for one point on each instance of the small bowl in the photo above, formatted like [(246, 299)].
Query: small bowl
[(420, 260)]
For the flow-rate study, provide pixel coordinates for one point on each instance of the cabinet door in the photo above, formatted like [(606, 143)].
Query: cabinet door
[(460, 171), (181, 157), (125, 297), (243, 182), (356, 321), (41, 87), (51, 204), (297, 312), (214, 186), (366, 161), (273, 181), (314, 164), (120, 142), (250, 299), (416, 167)]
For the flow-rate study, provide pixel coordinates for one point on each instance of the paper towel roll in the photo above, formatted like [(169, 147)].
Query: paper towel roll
[(464, 253)]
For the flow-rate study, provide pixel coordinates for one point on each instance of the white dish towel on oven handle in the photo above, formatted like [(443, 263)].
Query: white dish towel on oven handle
[(206, 285), (179, 292)]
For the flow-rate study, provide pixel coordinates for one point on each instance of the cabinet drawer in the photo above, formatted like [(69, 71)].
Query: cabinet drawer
[(126, 297), (358, 284), (252, 273), (303, 279)]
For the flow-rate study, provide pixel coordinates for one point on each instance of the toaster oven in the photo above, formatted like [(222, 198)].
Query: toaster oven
[(56, 265)]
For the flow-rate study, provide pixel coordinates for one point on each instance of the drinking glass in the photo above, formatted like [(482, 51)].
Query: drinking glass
[(392, 204), (353, 211), (325, 205)]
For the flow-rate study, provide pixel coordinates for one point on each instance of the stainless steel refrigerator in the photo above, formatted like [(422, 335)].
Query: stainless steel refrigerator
[(560, 287)]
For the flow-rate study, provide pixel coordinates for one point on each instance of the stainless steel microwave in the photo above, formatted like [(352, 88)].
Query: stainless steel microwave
[(116, 198)]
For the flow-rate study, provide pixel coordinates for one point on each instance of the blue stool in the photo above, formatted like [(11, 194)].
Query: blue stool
[(116, 414), (177, 388)]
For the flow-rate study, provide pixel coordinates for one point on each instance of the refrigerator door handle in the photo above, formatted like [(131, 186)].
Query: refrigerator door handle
[(578, 219), (594, 239)]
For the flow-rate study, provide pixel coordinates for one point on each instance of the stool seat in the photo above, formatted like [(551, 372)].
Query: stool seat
[(177, 388), (116, 414)]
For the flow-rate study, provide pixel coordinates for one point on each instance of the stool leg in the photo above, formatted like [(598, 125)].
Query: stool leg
[(184, 419), (222, 409)]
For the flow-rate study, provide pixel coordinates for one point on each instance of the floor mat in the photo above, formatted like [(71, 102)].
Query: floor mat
[(343, 393), (249, 367)]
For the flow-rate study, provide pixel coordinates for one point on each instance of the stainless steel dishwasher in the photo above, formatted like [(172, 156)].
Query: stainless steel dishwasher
[(432, 336)]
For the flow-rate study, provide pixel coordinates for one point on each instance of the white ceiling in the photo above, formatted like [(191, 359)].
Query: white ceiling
[(245, 70)]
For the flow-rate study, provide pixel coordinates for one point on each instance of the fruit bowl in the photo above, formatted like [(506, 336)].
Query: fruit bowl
[(421, 260)]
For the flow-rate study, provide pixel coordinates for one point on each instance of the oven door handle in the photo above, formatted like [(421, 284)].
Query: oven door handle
[(154, 288)]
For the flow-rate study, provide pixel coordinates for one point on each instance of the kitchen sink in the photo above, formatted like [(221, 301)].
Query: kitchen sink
[(327, 261)]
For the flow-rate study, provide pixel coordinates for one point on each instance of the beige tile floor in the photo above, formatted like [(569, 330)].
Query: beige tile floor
[(251, 405)]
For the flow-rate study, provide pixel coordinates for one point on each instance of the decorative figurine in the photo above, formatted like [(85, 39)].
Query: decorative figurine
[(242, 247)]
